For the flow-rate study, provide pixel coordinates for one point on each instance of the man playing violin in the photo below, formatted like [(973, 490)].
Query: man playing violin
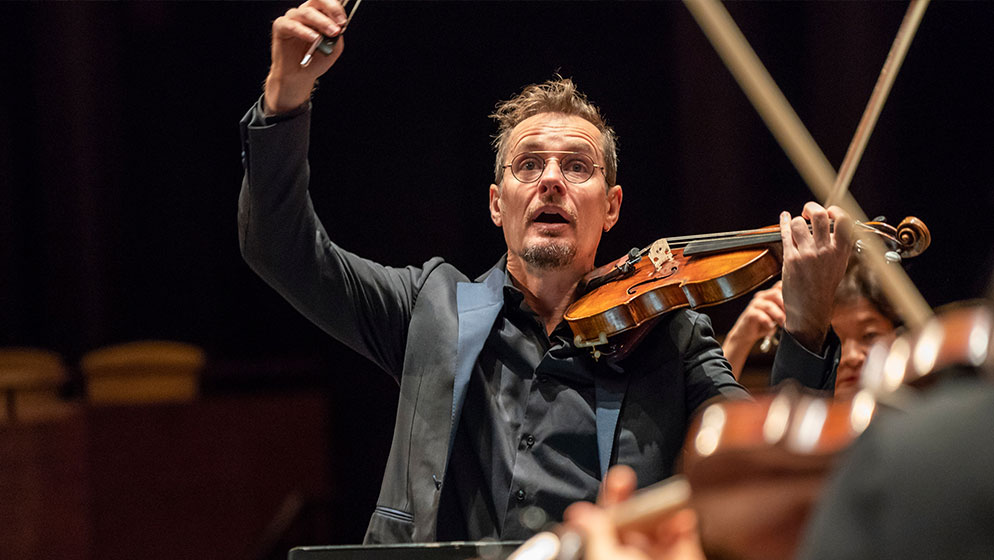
[(500, 415)]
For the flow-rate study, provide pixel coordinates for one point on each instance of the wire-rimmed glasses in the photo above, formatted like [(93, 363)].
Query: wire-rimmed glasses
[(576, 167)]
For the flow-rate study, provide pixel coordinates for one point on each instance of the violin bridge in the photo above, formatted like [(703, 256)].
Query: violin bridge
[(660, 254)]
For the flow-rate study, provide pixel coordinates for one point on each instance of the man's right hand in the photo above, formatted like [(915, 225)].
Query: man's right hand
[(289, 84)]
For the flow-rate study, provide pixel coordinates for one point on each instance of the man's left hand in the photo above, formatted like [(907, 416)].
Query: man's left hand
[(814, 262)]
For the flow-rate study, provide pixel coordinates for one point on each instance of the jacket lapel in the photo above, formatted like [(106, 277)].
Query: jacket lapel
[(609, 393), (478, 304)]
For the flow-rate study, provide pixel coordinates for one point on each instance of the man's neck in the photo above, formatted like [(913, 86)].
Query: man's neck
[(547, 292)]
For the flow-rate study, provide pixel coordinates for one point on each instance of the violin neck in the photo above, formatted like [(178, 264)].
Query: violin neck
[(705, 246), (717, 243)]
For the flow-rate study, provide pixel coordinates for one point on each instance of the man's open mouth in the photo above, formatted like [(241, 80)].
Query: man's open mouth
[(550, 218)]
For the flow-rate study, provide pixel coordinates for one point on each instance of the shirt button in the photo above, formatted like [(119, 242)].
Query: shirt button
[(520, 495), (529, 440), (543, 379)]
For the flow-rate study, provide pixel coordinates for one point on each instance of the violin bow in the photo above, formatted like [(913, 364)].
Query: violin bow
[(796, 141), (898, 50)]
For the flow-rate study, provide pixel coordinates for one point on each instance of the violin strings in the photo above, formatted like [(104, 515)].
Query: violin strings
[(681, 241)]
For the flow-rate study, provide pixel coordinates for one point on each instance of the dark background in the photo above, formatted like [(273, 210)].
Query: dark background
[(120, 167)]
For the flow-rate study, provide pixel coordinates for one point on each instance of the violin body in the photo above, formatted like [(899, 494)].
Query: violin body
[(682, 281)]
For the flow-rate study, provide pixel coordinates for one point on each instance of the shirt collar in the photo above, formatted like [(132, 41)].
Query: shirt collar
[(514, 301)]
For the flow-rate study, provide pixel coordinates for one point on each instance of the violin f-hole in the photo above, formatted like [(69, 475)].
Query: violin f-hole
[(634, 287)]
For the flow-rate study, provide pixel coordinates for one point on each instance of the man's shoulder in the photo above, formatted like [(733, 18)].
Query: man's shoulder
[(673, 334), (437, 273), (684, 322)]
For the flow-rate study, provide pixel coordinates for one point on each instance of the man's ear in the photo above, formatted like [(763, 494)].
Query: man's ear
[(495, 213), (614, 196)]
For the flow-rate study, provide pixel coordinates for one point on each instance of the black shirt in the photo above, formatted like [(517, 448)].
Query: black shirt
[(527, 435)]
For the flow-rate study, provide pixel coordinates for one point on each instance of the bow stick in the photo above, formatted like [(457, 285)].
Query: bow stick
[(909, 25), (801, 148)]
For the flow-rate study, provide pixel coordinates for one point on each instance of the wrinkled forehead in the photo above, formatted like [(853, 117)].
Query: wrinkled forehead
[(555, 131)]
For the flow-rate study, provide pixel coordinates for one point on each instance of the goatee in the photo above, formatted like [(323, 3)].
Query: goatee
[(550, 256)]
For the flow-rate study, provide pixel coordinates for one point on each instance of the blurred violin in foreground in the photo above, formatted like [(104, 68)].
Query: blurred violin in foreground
[(959, 338), (753, 470)]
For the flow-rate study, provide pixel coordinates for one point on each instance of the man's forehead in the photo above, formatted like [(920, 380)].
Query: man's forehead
[(573, 132)]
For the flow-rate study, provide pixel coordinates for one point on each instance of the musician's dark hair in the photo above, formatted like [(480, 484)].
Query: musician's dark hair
[(860, 282), (558, 95)]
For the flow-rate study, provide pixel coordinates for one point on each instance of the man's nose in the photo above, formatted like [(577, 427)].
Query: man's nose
[(552, 177)]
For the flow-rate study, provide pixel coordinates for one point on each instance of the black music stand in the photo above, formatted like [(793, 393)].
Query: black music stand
[(460, 550)]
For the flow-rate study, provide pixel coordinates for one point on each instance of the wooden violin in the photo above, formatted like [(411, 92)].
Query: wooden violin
[(698, 271)]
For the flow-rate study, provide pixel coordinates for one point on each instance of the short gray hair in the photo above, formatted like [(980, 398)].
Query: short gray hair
[(554, 96)]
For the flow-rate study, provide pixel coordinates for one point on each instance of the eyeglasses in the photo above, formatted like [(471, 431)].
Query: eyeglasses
[(576, 167)]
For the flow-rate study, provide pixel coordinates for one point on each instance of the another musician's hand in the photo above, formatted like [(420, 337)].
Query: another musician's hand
[(600, 536), (289, 84), (814, 262), (619, 485), (759, 319), (673, 537)]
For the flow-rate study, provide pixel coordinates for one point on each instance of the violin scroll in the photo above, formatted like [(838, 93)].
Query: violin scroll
[(909, 239), (913, 236)]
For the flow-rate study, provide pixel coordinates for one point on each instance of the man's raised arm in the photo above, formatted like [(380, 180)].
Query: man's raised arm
[(361, 303)]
